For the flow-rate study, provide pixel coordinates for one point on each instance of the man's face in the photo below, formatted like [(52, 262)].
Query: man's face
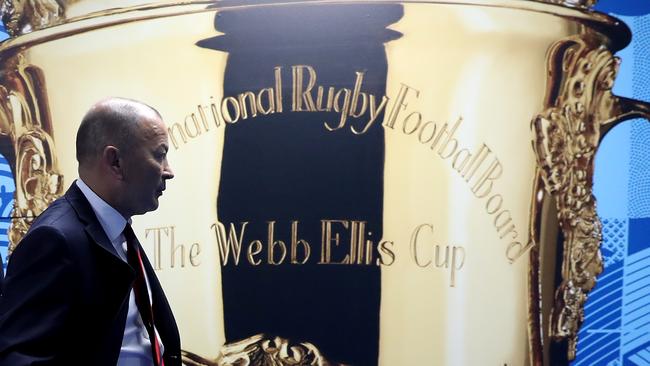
[(145, 168)]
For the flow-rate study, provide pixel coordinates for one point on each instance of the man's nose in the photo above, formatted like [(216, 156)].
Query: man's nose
[(167, 172)]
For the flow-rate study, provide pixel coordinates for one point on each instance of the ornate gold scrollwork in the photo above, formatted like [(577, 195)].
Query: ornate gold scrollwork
[(573, 3), (260, 350), (26, 123), (567, 134), (24, 16), (38, 182)]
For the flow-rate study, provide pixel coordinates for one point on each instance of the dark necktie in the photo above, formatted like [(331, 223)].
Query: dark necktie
[(134, 258)]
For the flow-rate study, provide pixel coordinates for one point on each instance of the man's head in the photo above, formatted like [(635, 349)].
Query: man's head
[(122, 152)]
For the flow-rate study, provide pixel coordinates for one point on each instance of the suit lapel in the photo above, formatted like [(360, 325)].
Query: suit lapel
[(94, 229), (92, 226)]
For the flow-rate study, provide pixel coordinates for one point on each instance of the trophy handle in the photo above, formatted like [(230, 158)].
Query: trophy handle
[(628, 109), (580, 109)]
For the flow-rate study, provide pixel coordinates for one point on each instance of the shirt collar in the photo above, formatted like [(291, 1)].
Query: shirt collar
[(112, 221)]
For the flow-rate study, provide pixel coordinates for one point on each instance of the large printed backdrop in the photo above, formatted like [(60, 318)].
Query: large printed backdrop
[(616, 330)]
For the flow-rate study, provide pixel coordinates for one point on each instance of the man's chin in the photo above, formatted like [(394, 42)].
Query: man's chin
[(152, 207)]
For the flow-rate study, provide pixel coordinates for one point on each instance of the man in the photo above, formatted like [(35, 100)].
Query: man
[(78, 289)]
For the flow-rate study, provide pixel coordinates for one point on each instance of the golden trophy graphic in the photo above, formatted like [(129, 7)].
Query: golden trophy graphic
[(357, 182)]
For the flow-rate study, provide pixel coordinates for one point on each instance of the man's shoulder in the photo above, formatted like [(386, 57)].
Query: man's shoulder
[(56, 233), (60, 215)]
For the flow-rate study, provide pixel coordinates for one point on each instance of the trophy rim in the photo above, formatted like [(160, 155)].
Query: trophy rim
[(615, 31)]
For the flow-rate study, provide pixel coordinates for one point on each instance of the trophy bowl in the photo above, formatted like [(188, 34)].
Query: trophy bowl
[(357, 182)]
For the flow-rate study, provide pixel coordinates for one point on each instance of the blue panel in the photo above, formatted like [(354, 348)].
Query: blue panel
[(639, 237), (7, 188), (636, 308), (624, 7), (639, 180), (600, 336), (612, 172)]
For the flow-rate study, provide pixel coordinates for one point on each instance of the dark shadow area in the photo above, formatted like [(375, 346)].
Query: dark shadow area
[(286, 166)]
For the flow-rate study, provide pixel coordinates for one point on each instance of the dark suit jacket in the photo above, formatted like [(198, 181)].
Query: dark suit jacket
[(66, 293), (2, 273)]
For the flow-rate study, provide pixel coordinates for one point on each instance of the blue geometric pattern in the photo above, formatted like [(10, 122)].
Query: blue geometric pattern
[(614, 247), (641, 358), (639, 183), (600, 336), (7, 188), (636, 308), (641, 87), (617, 316), (635, 342), (635, 346)]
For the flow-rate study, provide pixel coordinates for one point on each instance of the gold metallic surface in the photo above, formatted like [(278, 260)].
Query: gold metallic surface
[(22, 17), (263, 351), (577, 3), (472, 215), (26, 125)]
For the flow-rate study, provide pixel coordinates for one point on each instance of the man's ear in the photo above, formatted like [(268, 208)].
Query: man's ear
[(111, 160)]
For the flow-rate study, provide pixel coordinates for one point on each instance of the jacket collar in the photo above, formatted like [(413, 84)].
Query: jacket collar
[(87, 216)]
